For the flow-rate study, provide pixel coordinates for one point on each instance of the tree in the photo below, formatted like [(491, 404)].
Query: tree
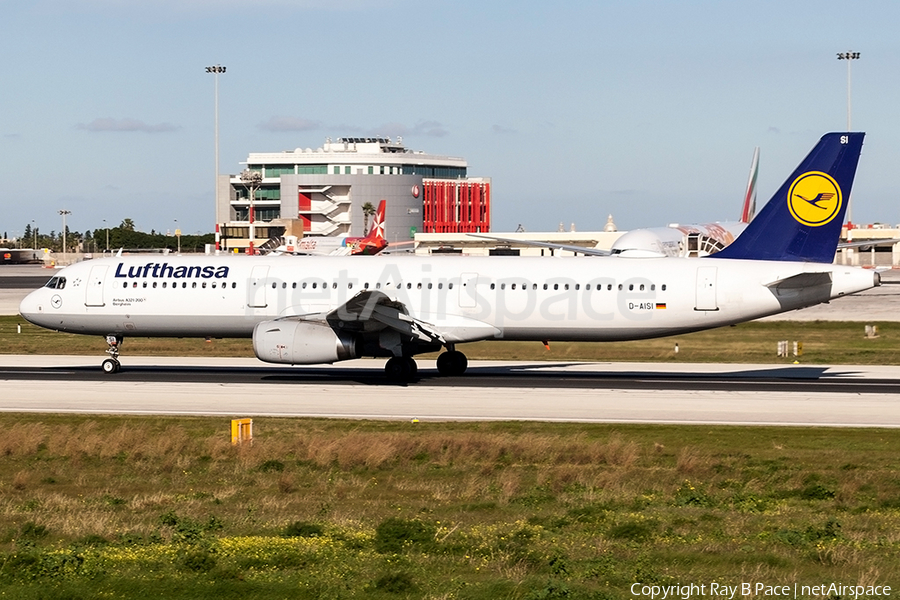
[(127, 225), (368, 210)]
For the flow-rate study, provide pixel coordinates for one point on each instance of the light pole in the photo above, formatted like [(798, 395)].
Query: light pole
[(106, 227), (849, 57), (215, 70), (34, 233), (251, 181), (64, 213), (178, 235)]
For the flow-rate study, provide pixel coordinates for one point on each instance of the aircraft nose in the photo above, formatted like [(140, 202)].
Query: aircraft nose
[(33, 306)]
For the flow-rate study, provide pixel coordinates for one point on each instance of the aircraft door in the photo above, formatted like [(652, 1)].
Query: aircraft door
[(468, 290), (256, 294), (706, 289), (94, 290)]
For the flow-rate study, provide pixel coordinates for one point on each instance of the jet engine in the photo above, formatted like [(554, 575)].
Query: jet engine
[(302, 343)]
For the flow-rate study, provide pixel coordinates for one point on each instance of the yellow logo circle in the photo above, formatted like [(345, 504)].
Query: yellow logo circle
[(814, 198)]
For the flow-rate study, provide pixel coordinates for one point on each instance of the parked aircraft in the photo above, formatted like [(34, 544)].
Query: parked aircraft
[(373, 243), (674, 240), (314, 310)]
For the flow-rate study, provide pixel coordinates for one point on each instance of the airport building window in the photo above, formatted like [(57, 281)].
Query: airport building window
[(277, 170), (312, 169), (347, 170)]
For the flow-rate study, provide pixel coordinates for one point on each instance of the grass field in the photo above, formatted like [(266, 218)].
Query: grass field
[(115, 507), (824, 342)]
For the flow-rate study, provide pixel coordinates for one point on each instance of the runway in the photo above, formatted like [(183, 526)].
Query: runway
[(590, 392), (798, 395)]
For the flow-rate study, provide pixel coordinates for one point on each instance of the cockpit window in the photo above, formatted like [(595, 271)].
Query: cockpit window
[(56, 283)]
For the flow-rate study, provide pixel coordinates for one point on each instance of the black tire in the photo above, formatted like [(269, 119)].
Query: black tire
[(398, 369), (452, 363), (110, 366), (413, 367)]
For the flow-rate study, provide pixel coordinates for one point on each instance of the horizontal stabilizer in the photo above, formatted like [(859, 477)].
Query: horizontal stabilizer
[(803, 280)]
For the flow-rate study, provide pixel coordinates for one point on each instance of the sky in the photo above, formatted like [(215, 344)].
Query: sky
[(648, 111)]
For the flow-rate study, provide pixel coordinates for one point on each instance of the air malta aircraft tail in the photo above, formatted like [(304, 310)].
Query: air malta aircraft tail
[(374, 242), (802, 222)]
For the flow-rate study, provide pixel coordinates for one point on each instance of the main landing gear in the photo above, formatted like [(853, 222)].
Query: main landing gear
[(404, 368), (401, 368), (111, 364), (452, 363)]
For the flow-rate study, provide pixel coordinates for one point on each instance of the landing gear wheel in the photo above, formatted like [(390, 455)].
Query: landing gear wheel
[(400, 368), (111, 364), (413, 367), (452, 363)]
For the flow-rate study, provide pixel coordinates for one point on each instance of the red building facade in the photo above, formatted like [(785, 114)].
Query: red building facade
[(456, 206)]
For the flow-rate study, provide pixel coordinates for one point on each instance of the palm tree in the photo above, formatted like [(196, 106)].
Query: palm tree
[(368, 211)]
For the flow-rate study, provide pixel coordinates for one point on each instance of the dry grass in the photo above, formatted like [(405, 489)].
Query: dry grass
[(612, 502)]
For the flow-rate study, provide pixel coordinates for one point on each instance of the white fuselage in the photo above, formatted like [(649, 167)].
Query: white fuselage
[(466, 298)]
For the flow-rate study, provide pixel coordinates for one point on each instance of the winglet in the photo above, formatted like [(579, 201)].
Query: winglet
[(802, 221)]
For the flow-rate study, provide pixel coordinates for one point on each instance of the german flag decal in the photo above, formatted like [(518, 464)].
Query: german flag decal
[(660, 305)]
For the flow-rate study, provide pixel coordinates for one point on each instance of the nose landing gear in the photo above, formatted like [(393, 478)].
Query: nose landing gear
[(111, 364)]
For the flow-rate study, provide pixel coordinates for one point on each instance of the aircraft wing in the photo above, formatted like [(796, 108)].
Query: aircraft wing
[(552, 245), (372, 312), (870, 242)]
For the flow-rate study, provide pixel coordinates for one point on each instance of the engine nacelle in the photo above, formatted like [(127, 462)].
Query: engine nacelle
[(301, 343)]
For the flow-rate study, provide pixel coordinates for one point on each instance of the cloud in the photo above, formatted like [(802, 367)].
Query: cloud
[(289, 124), (109, 124), (391, 129), (422, 128)]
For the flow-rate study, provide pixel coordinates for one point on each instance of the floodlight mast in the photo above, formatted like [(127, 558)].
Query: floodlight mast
[(215, 70), (849, 57)]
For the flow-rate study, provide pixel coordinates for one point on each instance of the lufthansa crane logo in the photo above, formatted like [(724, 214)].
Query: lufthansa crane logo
[(814, 199)]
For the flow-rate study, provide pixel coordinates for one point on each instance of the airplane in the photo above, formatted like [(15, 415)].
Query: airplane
[(314, 310), (373, 243)]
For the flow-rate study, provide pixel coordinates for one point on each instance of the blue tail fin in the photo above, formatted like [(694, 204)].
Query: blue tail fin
[(802, 221)]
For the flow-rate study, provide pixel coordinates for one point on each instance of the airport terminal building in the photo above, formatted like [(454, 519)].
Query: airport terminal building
[(322, 192)]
